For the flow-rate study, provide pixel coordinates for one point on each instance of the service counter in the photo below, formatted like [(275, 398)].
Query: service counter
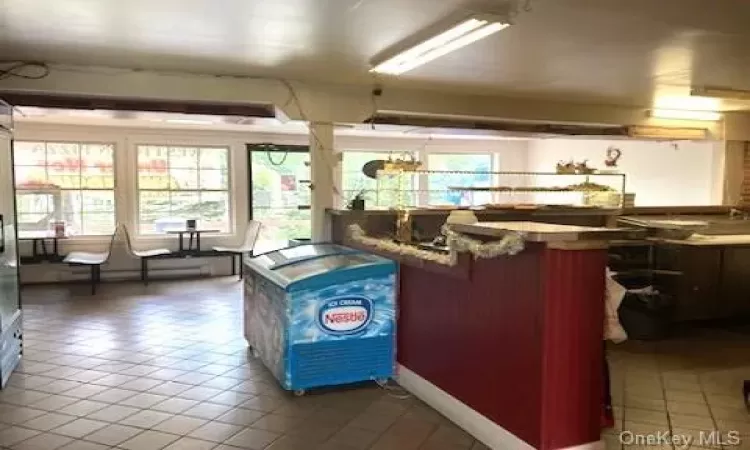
[(509, 347)]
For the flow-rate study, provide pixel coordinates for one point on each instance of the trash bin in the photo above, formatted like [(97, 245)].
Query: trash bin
[(645, 313)]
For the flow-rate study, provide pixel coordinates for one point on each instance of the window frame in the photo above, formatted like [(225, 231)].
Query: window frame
[(135, 217), (67, 140), (424, 182), (344, 199)]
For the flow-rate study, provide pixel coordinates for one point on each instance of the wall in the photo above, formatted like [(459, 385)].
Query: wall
[(511, 154), (659, 173)]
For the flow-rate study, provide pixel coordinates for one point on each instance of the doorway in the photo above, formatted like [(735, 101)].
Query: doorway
[(279, 183)]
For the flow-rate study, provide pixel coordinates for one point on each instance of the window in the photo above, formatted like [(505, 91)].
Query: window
[(65, 181), (439, 185), (176, 184), (353, 181)]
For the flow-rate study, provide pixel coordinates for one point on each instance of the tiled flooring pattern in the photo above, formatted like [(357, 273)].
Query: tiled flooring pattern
[(686, 385), (166, 368)]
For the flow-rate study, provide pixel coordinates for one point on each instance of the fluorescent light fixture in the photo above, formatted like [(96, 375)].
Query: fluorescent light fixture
[(458, 36), (685, 114), (732, 94), (646, 132), (190, 121)]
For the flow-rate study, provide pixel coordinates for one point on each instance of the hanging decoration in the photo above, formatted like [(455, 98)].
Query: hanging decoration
[(357, 234), (613, 155), (406, 163), (510, 244)]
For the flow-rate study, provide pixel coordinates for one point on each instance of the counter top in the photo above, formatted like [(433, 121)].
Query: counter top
[(543, 232), (677, 210), (445, 212), (703, 240)]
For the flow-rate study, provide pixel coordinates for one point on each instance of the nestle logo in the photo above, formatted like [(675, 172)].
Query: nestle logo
[(345, 315)]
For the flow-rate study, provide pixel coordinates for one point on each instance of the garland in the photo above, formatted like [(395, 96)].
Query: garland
[(510, 244), (357, 234)]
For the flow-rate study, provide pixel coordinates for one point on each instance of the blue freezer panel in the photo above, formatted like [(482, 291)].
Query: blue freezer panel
[(267, 325), (358, 308), (341, 362)]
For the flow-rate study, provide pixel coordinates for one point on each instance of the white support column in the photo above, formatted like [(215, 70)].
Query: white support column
[(324, 170)]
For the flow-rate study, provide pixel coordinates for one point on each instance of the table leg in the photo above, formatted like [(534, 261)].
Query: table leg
[(34, 252), (234, 264), (197, 242), (55, 250), (94, 278), (144, 271), (190, 242), (181, 246)]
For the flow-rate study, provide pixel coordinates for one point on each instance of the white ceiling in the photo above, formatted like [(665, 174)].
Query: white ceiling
[(608, 51)]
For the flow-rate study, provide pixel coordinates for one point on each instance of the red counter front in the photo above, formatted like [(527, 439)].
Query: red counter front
[(517, 339)]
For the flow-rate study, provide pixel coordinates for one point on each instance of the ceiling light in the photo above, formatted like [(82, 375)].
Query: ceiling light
[(733, 94), (685, 114), (190, 121), (458, 36)]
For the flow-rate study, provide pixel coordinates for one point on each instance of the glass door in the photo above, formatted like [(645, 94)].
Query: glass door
[(10, 305), (280, 194)]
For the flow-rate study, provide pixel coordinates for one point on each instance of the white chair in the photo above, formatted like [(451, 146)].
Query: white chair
[(93, 260), (143, 255), (251, 237)]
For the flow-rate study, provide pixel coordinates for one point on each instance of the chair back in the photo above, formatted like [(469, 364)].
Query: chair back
[(251, 235), (128, 241), (112, 241)]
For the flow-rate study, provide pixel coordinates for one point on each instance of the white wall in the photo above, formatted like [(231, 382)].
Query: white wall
[(511, 156), (659, 173)]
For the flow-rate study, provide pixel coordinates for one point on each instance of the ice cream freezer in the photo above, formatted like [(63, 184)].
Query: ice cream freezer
[(321, 315)]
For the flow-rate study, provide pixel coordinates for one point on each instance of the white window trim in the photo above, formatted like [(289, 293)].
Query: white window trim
[(125, 169), (424, 184), (133, 208), (394, 152), (83, 140)]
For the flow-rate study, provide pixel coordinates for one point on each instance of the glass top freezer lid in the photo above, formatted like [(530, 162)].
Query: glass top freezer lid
[(317, 266), (289, 255)]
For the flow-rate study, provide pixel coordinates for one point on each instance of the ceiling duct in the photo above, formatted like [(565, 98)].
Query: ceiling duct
[(532, 129), (471, 126), (45, 100)]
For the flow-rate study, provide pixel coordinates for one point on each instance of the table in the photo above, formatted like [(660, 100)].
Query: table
[(191, 234), (41, 237)]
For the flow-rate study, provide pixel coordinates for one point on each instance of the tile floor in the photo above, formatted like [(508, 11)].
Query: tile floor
[(687, 385), (166, 367)]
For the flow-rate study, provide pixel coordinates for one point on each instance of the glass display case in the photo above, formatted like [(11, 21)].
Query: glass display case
[(498, 190), (278, 258)]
